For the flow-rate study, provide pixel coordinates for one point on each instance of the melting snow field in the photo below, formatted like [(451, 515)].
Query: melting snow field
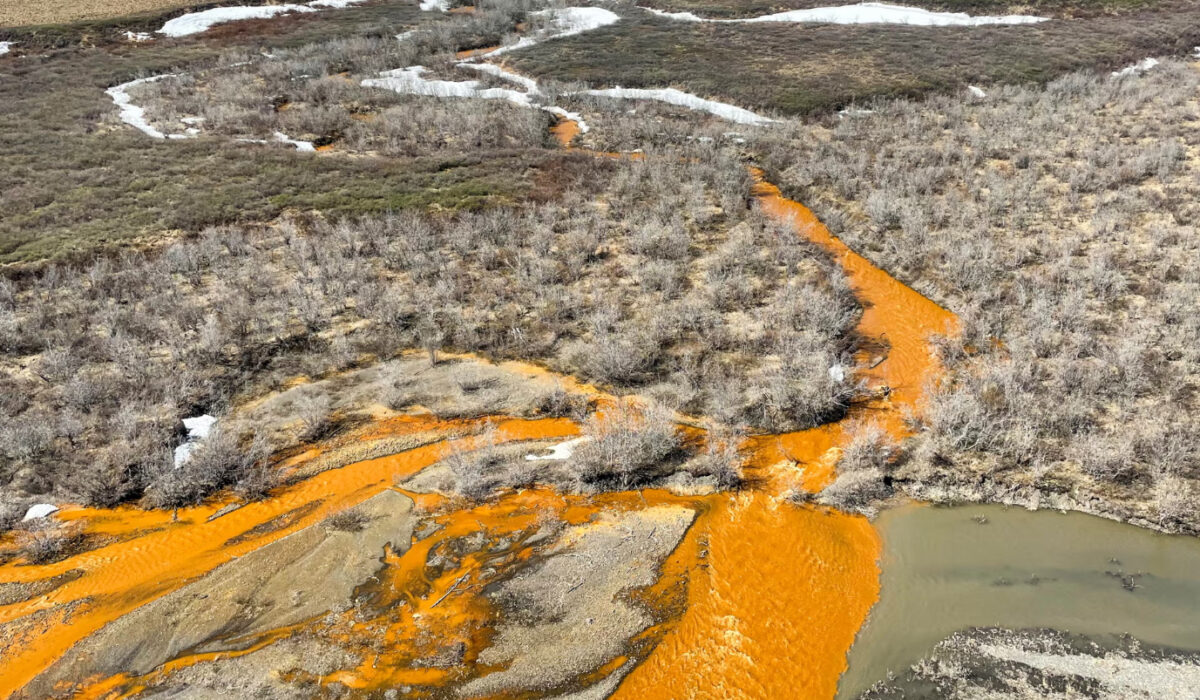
[(867, 13), (408, 81), (132, 114), (198, 428), (684, 99), (566, 21), (562, 22), (300, 145), (1140, 67), (196, 22)]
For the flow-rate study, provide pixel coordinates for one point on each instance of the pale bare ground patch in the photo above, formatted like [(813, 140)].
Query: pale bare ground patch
[(17, 13)]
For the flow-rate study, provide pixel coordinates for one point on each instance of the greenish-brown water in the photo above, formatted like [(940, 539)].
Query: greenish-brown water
[(948, 569)]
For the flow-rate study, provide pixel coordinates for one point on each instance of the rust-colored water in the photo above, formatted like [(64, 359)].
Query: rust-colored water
[(175, 550), (785, 589), (774, 610), (565, 131)]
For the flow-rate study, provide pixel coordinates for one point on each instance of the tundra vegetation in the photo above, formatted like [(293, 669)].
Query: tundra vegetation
[(812, 69), (451, 224), (1059, 223), (651, 276)]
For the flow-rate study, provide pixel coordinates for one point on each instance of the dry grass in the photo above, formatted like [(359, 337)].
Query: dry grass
[(18, 13)]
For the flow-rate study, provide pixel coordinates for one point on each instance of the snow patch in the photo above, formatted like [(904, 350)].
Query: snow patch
[(198, 428), (196, 22), (435, 5), (135, 115), (5, 47), (561, 451), (677, 16), (529, 84), (976, 92), (566, 21), (405, 36), (300, 145), (868, 13), (837, 373), (334, 4), (408, 81), (688, 100), (570, 116), (39, 510), (1136, 69), (138, 37)]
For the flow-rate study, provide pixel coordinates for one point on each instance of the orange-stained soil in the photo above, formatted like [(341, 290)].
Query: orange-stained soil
[(122, 576), (565, 131)]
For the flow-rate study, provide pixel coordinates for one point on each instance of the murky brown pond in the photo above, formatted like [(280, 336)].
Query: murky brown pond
[(947, 569)]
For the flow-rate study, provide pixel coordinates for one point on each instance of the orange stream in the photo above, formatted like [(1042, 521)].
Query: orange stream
[(122, 576), (774, 592), (785, 589)]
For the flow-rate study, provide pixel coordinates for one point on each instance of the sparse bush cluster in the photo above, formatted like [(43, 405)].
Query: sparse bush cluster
[(1060, 224), (628, 444), (313, 93), (655, 277)]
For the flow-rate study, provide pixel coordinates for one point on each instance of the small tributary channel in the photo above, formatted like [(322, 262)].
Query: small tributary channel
[(945, 569)]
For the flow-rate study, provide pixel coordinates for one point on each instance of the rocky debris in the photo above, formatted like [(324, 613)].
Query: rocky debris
[(1000, 663)]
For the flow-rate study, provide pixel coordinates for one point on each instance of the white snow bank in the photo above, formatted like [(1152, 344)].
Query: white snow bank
[(560, 22), (977, 92), (432, 5), (684, 99), (1140, 67), (300, 145), (5, 47), (561, 451), (570, 116), (39, 510), (334, 4), (869, 13), (408, 81), (529, 84), (196, 22), (132, 114), (198, 428)]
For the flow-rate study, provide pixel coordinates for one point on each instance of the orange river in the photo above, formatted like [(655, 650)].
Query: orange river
[(775, 592)]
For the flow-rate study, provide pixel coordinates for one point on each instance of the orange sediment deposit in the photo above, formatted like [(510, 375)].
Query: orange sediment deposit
[(186, 544), (474, 53), (774, 609), (565, 131), (424, 619)]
